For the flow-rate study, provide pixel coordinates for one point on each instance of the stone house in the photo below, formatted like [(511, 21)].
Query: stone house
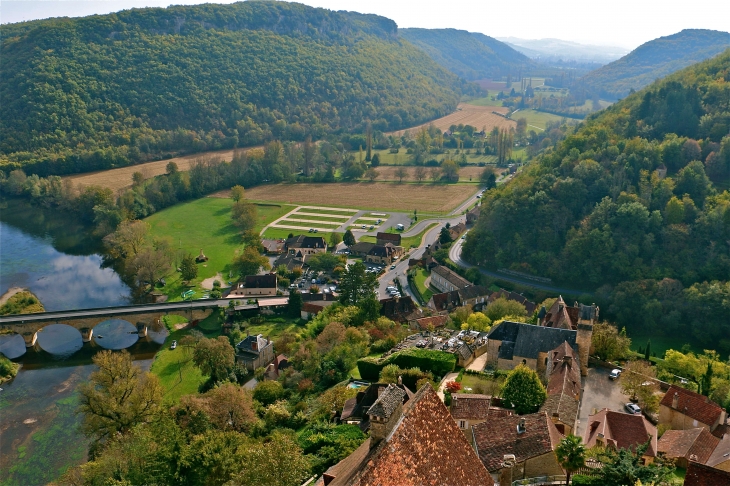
[(305, 245), (684, 409), (289, 261), (563, 388), (514, 343), (446, 280), (400, 309), (684, 446), (380, 255), (361, 248), (273, 247), (411, 444), (562, 316), (720, 457), (703, 475), (621, 431), (469, 409), (393, 239), (457, 230), (423, 323), (474, 295), (514, 447), (255, 286), (355, 409), (255, 352), (473, 215)]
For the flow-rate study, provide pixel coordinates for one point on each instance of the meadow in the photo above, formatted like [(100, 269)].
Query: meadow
[(468, 114)]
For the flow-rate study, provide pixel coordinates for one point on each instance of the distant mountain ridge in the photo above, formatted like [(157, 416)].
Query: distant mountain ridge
[(553, 49), (470, 55), (106, 91), (656, 59)]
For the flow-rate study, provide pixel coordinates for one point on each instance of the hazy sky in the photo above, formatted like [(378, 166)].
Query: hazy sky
[(626, 23)]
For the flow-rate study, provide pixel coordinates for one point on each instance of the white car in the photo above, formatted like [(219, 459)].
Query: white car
[(632, 408), (614, 374)]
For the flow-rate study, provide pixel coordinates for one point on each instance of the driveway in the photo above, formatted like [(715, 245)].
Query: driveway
[(442, 385), (599, 392)]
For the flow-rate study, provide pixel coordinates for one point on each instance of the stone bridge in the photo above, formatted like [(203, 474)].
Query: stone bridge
[(28, 325)]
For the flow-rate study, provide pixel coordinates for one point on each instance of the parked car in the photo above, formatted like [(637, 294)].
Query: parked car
[(293, 286), (311, 230), (392, 267), (372, 227), (463, 237), (614, 374), (632, 408), (173, 345), (364, 227)]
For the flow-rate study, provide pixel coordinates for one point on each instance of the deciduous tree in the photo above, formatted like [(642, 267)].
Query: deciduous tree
[(349, 238), (249, 262), (523, 390), (215, 358), (237, 193), (401, 173), (503, 307), (636, 373), (608, 343)]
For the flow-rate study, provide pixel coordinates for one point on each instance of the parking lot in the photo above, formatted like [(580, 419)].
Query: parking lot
[(599, 392)]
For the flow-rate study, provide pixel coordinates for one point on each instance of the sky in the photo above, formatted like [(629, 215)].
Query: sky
[(624, 23)]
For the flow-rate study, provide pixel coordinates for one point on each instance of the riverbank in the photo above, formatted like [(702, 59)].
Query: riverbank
[(8, 369), (18, 300)]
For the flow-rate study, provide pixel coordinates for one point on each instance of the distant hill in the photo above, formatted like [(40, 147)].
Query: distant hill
[(654, 60), (554, 49), (106, 91), (468, 54)]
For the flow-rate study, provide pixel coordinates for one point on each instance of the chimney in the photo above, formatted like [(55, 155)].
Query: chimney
[(521, 426), (505, 474), (675, 400)]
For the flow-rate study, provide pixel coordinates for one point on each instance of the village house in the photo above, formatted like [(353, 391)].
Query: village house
[(457, 230), (702, 475), (355, 410), (720, 457), (469, 409), (273, 247), (313, 304), (361, 249), (513, 343), (504, 294), (473, 215), (474, 295), (410, 445), (445, 301), (400, 309), (562, 316), (514, 447), (446, 280), (685, 445), (661, 171), (255, 352), (563, 388), (621, 431), (289, 261), (305, 245), (426, 323), (684, 409), (380, 255), (255, 286), (392, 240), (274, 368)]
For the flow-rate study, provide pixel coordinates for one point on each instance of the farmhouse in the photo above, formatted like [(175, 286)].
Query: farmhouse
[(446, 280), (255, 286), (410, 445)]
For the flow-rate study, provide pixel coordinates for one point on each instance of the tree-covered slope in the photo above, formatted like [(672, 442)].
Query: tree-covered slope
[(468, 54), (597, 212), (104, 91), (654, 60)]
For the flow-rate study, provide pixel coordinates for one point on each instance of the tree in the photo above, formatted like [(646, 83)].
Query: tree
[(128, 239), (372, 174), (478, 322), (249, 261), (647, 352), (625, 466), (444, 236), (335, 239), (171, 168), (188, 268), (502, 307), (375, 161), (244, 214), (215, 358), (268, 392), (401, 173), (636, 373), (349, 238), (294, 306), (118, 396), (571, 455), (488, 179), (323, 262), (227, 407), (523, 390), (137, 179), (419, 173), (237, 193), (608, 344), (150, 265), (279, 461), (706, 381), (435, 174), (356, 285), (450, 169)]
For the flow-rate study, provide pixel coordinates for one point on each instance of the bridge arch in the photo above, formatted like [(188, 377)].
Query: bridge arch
[(59, 339)]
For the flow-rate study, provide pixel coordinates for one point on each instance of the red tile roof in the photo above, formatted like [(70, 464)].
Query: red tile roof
[(499, 436), (701, 475), (435, 321), (697, 444), (621, 430), (698, 407), (425, 448), (470, 406)]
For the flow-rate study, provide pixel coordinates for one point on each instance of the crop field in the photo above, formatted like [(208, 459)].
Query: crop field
[(116, 179), (466, 174), (476, 116), (438, 198)]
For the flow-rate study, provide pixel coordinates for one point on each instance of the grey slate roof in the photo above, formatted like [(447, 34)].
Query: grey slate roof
[(387, 402), (527, 340)]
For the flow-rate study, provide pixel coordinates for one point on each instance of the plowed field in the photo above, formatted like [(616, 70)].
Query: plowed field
[(476, 116)]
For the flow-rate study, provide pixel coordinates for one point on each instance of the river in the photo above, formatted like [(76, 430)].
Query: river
[(60, 261)]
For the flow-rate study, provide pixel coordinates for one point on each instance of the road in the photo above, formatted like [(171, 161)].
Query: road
[(599, 392)]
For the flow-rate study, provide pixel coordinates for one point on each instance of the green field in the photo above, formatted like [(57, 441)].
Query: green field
[(296, 221), (324, 218), (420, 281), (537, 119), (283, 233), (660, 344), (485, 101), (205, 223)]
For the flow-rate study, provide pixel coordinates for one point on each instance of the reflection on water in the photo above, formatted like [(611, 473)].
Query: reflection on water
[(12, 345), (60, 340), (115, 334)]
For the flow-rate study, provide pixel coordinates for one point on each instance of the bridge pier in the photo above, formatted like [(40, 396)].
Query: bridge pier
[(86, 334), (142, 329), (30, 338)]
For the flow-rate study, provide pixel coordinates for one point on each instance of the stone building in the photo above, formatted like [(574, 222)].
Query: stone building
[(255, 352), (684, 409), (447, 280)]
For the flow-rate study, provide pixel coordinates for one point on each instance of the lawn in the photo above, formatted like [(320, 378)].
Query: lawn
[(478, 384), (320, 217), (174, 367), (660, 344), (420, 280), (537, 119), (407, 242), (283, 233), (308, 221), (276, 326), (205, 223)]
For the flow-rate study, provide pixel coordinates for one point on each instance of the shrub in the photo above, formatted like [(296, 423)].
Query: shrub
[(581, 480), (453, 386)]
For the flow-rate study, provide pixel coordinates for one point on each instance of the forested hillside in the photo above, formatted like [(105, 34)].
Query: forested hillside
[(654, 60), (106, 91), (470, 55), (598, 211)]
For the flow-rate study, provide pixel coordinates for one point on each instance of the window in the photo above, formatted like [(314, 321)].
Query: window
[(546, 360), (462, 424), (524, 361)]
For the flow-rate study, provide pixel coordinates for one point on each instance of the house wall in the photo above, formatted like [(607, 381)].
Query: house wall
[(493, 353), (506, 364), (583, 339), (724, 466), (307, 251), (544, 465), (265, 357), (255, 292), (677, 420), (441, 283), (377, 259)]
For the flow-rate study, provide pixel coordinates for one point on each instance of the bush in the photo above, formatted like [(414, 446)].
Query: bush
[(581, 480)]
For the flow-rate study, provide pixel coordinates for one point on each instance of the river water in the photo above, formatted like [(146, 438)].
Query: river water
[(60, 262)]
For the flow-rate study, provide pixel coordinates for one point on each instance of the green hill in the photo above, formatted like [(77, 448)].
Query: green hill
[(597, 213), (467, 54), (111, 90), (654, 60)]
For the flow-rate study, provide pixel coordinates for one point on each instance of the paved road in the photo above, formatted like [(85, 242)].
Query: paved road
[(599, 392)]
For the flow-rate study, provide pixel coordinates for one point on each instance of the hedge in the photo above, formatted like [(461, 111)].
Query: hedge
[(437, 362), (581, 480)]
